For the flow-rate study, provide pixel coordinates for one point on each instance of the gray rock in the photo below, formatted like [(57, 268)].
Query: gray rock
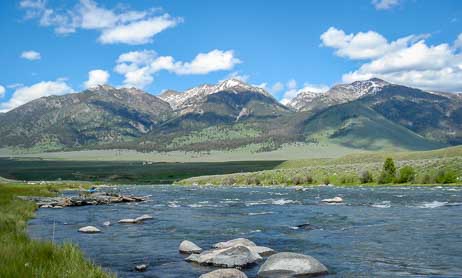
[(189, 247), (128, 221), (224, 273), (89, 230), (288, 264), (141, 267), (334, 200), (106, 223), (144, 217), (261, 250), (234, 242), (235, 256)]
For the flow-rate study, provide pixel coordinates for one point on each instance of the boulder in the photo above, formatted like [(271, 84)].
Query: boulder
[(334, 200), (235, 256), (143, 218), (261, 250), (288, 264), (141, 267), (233, 242), (128, 221), (89, 230), (189, 247), (224, 273)]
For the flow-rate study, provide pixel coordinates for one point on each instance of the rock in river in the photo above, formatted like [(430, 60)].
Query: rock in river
[(224, 273), (334, 200), (234, 256), (288, 264), (128, 221), (89, 230), (189, 247), (141, 267), (261, 250), (144, 217)]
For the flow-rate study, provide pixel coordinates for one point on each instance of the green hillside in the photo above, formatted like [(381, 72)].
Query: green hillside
[(357, 126)]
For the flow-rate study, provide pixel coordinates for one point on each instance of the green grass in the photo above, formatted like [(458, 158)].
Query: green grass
[(346, 170), (22, 257)]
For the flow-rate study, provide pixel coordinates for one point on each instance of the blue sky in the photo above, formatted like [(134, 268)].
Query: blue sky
[(50, 47)]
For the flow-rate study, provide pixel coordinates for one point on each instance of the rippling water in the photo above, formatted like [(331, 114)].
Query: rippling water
[(377, 232)]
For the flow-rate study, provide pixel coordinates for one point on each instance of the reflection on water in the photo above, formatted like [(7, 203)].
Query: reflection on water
[(398, 231)]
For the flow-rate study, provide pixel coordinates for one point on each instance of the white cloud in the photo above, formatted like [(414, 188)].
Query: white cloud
[(458, 42), (139, 32), (385, 4), (25, 94), (291, 84), (31, 55), (121, 26), (138, 67), (277, 87), (2, 91), (363, 45), (239, 76), (96, 77), (409, 61)]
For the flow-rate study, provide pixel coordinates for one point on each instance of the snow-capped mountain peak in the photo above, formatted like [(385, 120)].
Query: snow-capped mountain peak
[(199, 93), (341, 93)]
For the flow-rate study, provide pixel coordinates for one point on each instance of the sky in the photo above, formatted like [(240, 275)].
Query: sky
[(56, 47)]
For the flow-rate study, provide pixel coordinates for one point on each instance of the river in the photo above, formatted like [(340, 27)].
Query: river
[(377, 231)]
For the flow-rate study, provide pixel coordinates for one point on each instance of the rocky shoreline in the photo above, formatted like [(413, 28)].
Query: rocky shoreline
[(91, 199)]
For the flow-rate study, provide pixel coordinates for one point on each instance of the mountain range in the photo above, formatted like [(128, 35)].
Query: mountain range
[(371, 114)]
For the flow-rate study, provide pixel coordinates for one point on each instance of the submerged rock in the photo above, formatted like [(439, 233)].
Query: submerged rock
[(189, 247), (106, 223), (334, 200), (144, 217), (141, 267), (306, 226), (287, 264), (224, 273), (89, 230), (234, 256), (128, 221)]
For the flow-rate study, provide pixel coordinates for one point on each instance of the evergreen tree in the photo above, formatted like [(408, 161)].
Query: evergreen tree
[(388, 174)]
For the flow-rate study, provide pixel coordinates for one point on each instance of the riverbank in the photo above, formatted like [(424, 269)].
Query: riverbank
[(22, 257)]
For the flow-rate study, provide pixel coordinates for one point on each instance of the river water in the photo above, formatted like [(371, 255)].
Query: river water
[(376, 232)]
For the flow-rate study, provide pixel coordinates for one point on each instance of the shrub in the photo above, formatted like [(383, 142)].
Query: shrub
[(406, 174), (426, 179), (347, 179), (446, 176), (297, 180), (388, 174), (252, 180), (326, 180), (229, 181), (308, 180), (366, 177)]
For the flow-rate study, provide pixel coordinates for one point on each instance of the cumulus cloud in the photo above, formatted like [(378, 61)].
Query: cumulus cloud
[(2, 91), (115, 26), (385, 4), (409, 60), (31, 55), (138, 67), (25, 94), (96, 77)]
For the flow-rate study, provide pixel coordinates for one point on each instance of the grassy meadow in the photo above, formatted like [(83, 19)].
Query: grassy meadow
[(443, 166), (22, 257)]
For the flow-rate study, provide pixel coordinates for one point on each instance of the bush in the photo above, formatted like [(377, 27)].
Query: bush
[(229, 181), (308, 180), (406, 174), (347, 180), (446, 176), (326, 181), (426, 179), (388, 174), (252, 180), (366, 177), (297, 180)]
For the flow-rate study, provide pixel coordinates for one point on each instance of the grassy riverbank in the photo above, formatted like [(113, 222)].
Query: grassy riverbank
[(22, 257), (430, 167)]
